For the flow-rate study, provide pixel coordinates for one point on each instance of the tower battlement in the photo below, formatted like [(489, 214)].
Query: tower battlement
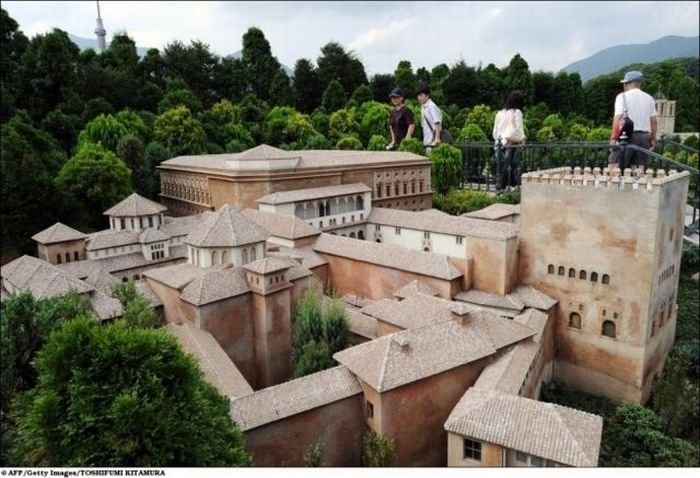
[(606, 178)]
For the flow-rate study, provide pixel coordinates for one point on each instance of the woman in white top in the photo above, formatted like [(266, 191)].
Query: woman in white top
[(508, 128)]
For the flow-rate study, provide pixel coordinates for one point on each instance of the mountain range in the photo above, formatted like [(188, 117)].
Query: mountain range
[(612, 59)]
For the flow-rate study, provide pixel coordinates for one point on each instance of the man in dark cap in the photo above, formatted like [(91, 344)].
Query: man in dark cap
[(401, 124), (641, 109)]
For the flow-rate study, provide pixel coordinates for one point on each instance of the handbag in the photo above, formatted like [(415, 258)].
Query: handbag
[(624, 124)]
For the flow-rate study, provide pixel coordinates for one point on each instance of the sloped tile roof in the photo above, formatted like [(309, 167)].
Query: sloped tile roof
[(133, 260), (508, 371), (226, 228), (535, 319), (135, 205), (176, 276), (477, 297), (416, 310), (413, 287), (309, 257), (532, 297), (361, 324), (151, 234), (218, 368), (101, 279), (58, 233), (404, 357), (105, 306), (296, 396), (42, 279), (439, 222), (111, 238), (267, 265), (494, 212), (265, 151), (355, 301), (145, 290), (388, 255), (181, 226), (546, 430), (284, 197), (215, 284), (281, 225)]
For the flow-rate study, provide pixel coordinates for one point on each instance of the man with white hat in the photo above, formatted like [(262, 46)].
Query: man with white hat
[(641, 109)]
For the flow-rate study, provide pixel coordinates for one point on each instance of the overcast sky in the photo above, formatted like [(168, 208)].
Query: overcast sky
[(549, 35)]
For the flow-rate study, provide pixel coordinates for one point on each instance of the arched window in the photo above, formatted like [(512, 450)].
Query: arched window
[(67, 256), (224, 257), (321, 210), (609, 329), (594, 277), (361, 235), (572, 273), (76, 256), (561, 270), (245, 256), (360, 203), (582, 275), (253, 254), (550, 269), (379, 190), (575, 320), (606, 279), (352, 234), (214, 257), (58, 258), (396, 189)]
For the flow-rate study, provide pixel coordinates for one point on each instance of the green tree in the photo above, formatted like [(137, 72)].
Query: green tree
[(472, 133), (362, 94), (381, 84), (13, 44), (130, 149), (377, 143), (518, 77), (483, 117), (337, 64), (315, 356), (577, 132), (138, 311), (95, 107), (104, 130), (446, 168), (598, 134), (180, 132), (461, 86), (335, 326), (349, 143), (307, 87), (334, 97), (404, 76), (314, 456), (374, 120), (281, 92), (177, 93), (63, 127), (377, 450), (412, 145), (196, 66), (215, 119), (556, 124), (239, 139), (343, 123), (87, 411), (97, 178), (259, 65)]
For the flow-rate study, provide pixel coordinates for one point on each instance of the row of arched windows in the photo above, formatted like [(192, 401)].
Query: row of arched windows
[(59, 258), (661, 316), (668, 272), (608, 328), (582, 274), (185, 187), (398, 187)]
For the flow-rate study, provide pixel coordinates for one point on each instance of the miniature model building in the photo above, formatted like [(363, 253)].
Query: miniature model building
[(455, 321)]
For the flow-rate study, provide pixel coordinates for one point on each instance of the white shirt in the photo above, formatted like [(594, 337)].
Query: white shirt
[(429, 112), (640, 108), (508, 124)]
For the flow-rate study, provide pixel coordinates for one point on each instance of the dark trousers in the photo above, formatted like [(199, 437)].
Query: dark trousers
[(509, 166)]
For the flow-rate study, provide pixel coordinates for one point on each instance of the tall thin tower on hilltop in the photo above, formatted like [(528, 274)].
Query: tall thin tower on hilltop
[(100, 31)]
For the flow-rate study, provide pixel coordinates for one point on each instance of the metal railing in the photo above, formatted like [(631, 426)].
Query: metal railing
[(482, 162)]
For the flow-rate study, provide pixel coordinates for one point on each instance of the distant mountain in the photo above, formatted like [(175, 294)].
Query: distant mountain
[(85, 43), (613, 58)]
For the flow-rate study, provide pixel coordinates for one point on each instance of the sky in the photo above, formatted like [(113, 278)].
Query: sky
[(549, 35)]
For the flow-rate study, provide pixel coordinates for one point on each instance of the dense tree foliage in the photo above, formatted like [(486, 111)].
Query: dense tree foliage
[(445, 168), (377, 450), (156, 411)]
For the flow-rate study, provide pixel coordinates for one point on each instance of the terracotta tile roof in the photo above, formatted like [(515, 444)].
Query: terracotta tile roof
[(226, 228), (267, 265), (111, 238), (218, 368), (387, 255), (534, 319), (309, 257), (177, 276), (297, 195), (413, 287), (404, 357), (415, 311), (494, 212), (145, 290), (546, 430), (477, 297), (135, 205), (508, 371), (151, 234), (532, 297), (101, 279), (442, 223), (215, 284), (58, 233), (281, 225), (42, 279), (181, 226), (105, 306), (80, 269), (296, 270), (296, 396)]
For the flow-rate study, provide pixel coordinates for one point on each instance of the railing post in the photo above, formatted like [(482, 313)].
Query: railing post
[(499, 163), (622, 143), (661, 143)]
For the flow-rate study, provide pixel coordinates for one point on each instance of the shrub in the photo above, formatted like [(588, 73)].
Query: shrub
[(690, 260), (412, 145), (446, 168), (377, 450), (377, 143), (349, 143)]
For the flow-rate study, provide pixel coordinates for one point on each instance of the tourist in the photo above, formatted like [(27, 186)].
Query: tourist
[(508, 130), (401, 124), (431, 118), (641, 109)]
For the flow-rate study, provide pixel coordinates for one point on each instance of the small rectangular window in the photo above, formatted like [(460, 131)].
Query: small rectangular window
[(521, 457), (426, 235), (377, 227), (459, 240), (397, 231), (370, 409), (472, 449), (536, 461)]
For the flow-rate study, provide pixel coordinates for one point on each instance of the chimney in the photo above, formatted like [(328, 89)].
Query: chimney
[(402, 341)]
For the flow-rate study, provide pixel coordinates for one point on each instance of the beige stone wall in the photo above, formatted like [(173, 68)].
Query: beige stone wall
[(494, 264), (422, 439), (338, 426), (610, 232), (348, 276), (491, 454), (66, 250)]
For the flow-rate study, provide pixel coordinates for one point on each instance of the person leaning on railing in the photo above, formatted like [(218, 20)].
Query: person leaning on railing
[(508, 130), (641, 109)]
